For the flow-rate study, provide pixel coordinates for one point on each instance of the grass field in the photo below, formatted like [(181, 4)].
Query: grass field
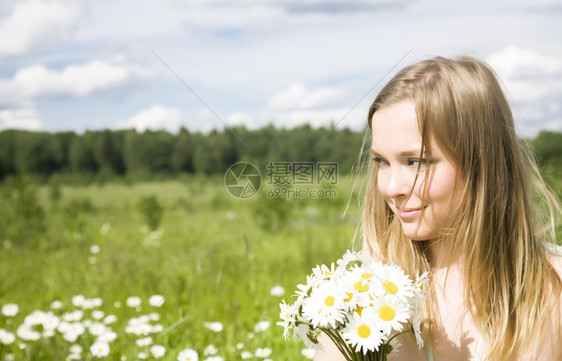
[(213, 258)]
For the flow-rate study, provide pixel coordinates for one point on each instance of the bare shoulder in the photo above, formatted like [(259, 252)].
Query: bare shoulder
[(329, 351), (555, 258)]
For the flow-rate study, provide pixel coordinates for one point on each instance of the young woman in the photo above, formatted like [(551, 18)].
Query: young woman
[(452, 192)]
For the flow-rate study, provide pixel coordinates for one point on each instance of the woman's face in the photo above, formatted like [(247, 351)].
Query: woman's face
[(396, 150)]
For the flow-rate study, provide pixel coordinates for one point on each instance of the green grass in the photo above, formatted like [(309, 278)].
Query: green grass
[(216, 260)]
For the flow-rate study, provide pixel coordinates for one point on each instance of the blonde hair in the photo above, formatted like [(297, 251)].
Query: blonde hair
[(500, 227)]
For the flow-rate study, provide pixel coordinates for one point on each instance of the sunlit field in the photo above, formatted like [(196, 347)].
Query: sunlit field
[(91, 272)]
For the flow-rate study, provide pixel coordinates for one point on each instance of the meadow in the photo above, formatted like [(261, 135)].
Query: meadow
[(85, 264)]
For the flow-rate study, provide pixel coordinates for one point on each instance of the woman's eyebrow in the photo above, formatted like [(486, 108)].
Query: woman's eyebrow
[(405, 153)]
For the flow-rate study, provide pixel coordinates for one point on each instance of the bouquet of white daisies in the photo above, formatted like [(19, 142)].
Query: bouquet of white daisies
[(362, 305)]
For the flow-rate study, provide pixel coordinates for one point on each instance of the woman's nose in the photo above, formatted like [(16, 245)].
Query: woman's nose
[(394, 182)]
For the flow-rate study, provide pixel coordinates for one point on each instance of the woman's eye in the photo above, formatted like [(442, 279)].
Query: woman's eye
[(379, 161), (416, 162)]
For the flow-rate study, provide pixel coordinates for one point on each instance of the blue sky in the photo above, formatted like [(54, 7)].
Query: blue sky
[(207, 64)]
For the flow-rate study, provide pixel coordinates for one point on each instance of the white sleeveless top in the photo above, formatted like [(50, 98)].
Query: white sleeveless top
[(552, 248)]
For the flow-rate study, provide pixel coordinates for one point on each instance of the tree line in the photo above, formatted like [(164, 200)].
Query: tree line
[(127, 152)]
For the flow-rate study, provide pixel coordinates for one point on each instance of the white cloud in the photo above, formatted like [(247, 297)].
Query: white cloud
[(22, 118), (155, 118), (298, 96), (514, 62), (75, 80), (33, 23), (303, 5), (533, 83)]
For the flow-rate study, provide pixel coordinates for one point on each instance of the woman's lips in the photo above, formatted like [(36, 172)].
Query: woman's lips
[(407, 214)]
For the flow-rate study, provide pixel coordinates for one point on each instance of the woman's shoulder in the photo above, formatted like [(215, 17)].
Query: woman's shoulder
[(554, 255)]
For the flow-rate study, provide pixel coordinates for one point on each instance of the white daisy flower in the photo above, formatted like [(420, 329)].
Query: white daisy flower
[(277, 291), (76, 348), (142, 329), (73, 316), (78, 300), (416, 325), (157, 351), (359, 288), (246, 355), (37, 317), (239, 346), (105, 228), (213, 326), (100, 349), (107, 336), (109, 319), (156, 300), (142, 355), (133, 301), (50, 321), (157, 328), (302, 332), (70, 336), (97, 315), (154, 316), (263, 352), (349, 260), (10, 309), (261, 326), (146, 341), (210, 350), (188, 355), (73, 356), (325, 306), (288, 315), (323, 272), (95, 249), (420, 285), (96, 329), (6, 337), (390, 313), (363, 333), (308, 353), (393, 281), (26, 333), (56, 305)]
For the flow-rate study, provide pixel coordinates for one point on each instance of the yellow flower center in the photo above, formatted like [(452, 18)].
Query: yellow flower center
[(363, 331), (360, 287), (387, 313), (329, 301), (366, 276), (390, 287), (359, 309), (328, 273)]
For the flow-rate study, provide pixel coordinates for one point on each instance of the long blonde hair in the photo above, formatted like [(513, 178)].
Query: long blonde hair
[(500, 227)]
